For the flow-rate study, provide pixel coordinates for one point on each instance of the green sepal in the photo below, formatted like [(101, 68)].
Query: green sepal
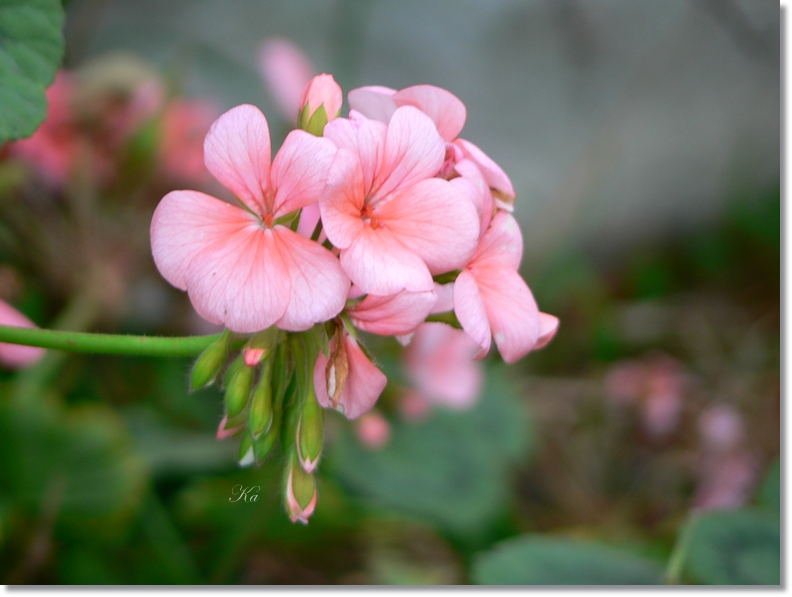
[(291, 415), (239, 382), (264, 444), (303, 483), (317, 121), (209, 363), (245, 455), (310, 432), (260, 411)]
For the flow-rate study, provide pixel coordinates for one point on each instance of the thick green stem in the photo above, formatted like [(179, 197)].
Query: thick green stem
[(154, 346)]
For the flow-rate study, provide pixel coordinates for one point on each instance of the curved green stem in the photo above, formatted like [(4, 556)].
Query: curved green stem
[(153, 346)]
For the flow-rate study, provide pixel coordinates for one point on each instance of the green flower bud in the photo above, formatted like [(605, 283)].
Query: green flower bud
[(208, 365), (300, 491), (245, 457), (260, 412), (239, 381), (309, 433)]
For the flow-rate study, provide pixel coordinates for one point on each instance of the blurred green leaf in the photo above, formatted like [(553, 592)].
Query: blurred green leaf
[(770, 491), (739, 547), (542, 560), (451, 468), (76, 463), (30, 53)]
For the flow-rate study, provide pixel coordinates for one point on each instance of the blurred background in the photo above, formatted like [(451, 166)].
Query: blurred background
[(643, 140)]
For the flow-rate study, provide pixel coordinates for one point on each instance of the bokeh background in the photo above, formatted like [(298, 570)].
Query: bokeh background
[(643, 140)]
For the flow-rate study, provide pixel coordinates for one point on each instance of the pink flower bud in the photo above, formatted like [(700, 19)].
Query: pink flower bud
[(253, 356), (300, 493), (320, 103)]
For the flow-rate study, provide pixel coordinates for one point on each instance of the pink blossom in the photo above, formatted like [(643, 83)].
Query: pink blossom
[(394, 315), (396, 227), (243, 267), (439, 363), (17, 356), (361, 383), (491, 299), (449, 115), (184, 127), (322, 90), (286, 71), (373, 430)]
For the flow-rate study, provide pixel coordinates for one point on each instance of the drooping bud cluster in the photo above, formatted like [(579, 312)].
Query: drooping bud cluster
[(376, 222)]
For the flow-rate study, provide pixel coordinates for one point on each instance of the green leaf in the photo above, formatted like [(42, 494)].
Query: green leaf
[(31, 49), (740, 547), (541, 560), (452, 469)]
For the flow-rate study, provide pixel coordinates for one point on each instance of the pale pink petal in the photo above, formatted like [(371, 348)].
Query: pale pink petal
[(444, 108), (394, 315), (364, 382), (434, 219), (378, 263), (494, 175), (364, 137), (237, 153), (471, 312), (16, 355), (342, 200), (414, 151), (548, 326), (309, 218), (241, 280), (322, 90), (511, 311), (501, 245), (299, 171), (439, 363), (374, 102), (319, 286), (445, 298), (185, 223), (472, 182), (286, 70)]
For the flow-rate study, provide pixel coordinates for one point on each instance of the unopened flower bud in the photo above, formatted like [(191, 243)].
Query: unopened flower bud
[(209, 363), (239, 381), (228, 428), (300, 497), (260, 413), (245, 456), (320, 103), (309, 433), (253, 356)]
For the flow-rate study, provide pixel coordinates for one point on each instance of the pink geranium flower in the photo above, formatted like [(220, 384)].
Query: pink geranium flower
[(243, 266), (17, 356), (491, 299), (395, 225), (448, 113)]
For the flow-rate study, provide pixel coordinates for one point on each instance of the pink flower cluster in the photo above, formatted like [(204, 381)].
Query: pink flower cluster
[(375, 221)]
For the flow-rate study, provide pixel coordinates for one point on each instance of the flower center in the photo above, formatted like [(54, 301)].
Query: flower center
[(368, 216)]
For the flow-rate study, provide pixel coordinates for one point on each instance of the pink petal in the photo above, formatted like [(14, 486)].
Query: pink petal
[(342, 200), (364, 137), (319, 286), (241, 280), (299, 171), (286, 70), (309, 218), (364, 383), (496, 178), (237, 153), (374, 102), (471, 312), (443, 107), (379, 264), (434, 219), (414, 151), (394, 315), (439, 362), (445, 298), (501, 245), (548, 326), (185, 223), (511, 311), (17, 355), (472, 182)]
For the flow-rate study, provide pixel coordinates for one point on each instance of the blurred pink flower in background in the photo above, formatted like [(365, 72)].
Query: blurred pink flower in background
[(439, 363), (286, 71), (185, 124), (373, 430), (728, 471), (16, 356)]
